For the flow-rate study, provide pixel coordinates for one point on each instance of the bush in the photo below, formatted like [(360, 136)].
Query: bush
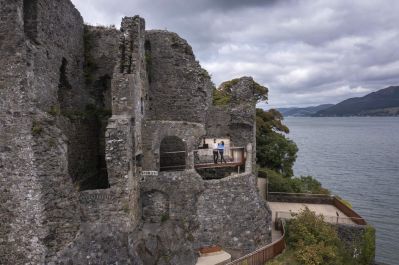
[(274, 150), (221, 97), (280, 183), (315, 242)]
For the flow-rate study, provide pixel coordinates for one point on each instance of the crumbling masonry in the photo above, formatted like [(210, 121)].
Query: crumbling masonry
[(84, 113)]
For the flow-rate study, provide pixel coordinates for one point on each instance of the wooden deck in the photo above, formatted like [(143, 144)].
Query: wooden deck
[(219, 165)]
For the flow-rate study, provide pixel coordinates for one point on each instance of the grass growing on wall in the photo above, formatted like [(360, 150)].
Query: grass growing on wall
[(368, 246)]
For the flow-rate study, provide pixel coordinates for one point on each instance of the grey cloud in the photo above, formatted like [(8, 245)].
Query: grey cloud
[(305, 51)]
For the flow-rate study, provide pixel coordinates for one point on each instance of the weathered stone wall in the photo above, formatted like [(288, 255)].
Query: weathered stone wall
[(169, 217), (16, 178), (101, 56), (180, 90), (55, 59), (232, 215), (354, 238), (202, 213), (123, 135), (236, 120), (57, 81), (39, 198), (110, 216), (156, 131)]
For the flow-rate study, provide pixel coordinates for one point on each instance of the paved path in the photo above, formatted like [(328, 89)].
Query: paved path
[(329, 211), (220, 257)]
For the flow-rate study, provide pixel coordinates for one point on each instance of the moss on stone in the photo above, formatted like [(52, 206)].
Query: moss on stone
[(54, 110), (37, 128), (164, 217)]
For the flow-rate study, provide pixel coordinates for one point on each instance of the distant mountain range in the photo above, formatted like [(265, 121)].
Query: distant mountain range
[(303, 112), (384, 102)]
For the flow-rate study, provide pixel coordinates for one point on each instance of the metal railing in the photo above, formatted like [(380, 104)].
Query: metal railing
[(263, 254), (320, 199), (231, 154), (327, 218)]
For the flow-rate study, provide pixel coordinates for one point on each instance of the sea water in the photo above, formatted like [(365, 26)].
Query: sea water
[(356, 158)]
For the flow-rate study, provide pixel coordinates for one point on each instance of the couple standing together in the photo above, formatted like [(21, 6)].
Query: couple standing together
[(218, 149)]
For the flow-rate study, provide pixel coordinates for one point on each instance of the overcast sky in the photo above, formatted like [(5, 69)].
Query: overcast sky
[(306, 52)]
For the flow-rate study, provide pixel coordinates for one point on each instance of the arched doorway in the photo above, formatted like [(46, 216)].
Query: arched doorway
[(172, 154)]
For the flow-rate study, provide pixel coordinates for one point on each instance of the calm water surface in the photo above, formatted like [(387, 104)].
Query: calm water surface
[(358, 159)]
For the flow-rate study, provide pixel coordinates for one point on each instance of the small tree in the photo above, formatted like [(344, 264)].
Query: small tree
[(273, 149)]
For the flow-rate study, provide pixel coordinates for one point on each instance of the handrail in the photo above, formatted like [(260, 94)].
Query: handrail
[(332, 199), (263, 254), (302, 194), (327, 218), (357, 219)]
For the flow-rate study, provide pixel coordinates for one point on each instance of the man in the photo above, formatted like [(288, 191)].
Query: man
[(215, 151)]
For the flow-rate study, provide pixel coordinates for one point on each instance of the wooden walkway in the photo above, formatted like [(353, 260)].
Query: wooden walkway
[(218, 165)]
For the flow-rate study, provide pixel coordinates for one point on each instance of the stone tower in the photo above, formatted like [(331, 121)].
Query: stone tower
[(100, 135)]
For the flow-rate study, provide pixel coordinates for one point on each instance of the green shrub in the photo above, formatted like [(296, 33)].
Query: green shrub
[(315, 242), (368, 246), (221, 97), (280, 183)]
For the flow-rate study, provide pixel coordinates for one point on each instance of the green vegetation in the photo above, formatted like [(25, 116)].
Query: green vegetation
[(37, 128), (54, 110), (311, 241), (164, 217), (274, 150), (204, 73), (368, 246), (276, 155), (344, 201), (260, 92), (222, 96), (279, 183)]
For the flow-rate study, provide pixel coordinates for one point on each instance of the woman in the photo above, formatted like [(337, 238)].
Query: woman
[(221, 151)]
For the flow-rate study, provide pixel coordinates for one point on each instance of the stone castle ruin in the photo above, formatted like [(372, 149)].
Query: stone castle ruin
[(105, 147)]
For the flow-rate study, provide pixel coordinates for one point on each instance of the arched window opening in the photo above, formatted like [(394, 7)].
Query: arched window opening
[(172, 154)]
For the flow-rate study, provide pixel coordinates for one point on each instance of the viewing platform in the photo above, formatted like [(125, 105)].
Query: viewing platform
[(234, 156), (219, 165)]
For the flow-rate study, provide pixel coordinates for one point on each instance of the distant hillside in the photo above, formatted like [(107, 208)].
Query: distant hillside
[(303, 112), (384, 102)]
